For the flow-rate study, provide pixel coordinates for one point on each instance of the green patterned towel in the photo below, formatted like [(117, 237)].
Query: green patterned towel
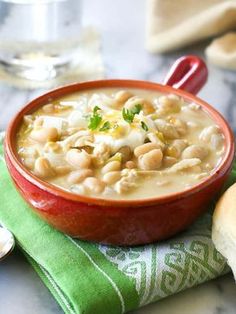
[(91, 278)]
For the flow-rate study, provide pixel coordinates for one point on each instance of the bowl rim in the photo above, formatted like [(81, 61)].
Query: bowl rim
[(10, 142)]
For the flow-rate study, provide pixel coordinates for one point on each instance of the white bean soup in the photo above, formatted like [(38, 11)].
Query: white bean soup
[(120, 144)]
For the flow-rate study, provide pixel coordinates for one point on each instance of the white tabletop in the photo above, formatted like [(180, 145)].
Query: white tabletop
[(122, 25)]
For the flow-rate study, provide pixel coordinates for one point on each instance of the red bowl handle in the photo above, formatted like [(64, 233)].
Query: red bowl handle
[(188, 73)]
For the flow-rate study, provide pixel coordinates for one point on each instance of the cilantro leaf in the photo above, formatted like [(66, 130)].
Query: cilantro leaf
[(144, 126), (106, 126), (95, 119), (128, 115), (95, 109), (94, 122)]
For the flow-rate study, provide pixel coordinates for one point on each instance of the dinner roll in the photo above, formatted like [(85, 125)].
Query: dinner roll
[(224, 226), (222, 51)]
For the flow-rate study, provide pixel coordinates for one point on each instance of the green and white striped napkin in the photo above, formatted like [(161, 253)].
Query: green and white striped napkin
[(90, 278)]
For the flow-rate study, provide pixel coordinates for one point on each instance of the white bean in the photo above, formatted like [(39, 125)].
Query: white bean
[(176, 148), (28, 119), (79, 175), (145, 148), (94, 185), (151, 160), (43, 135), (195, 151), (30, 152), (168, 130), (180, 145), (125, 153), (217, 141), (130, 164), (111, 166), (42, 168), (168, 161), (62, 170), (49, 108), (78, 159), (122, 96), (207, 133), (170, 103), (111, 177), (180, 125), (29, 162)]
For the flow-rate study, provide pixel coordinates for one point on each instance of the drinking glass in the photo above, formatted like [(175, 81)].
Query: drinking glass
[(39, 38)]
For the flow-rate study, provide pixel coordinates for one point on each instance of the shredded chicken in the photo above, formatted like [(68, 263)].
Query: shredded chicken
[(127, 181)]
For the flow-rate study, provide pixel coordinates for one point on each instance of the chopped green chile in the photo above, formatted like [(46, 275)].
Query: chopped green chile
[(106, 126), (144, 126)]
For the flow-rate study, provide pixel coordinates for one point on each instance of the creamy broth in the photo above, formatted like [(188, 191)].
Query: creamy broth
[(120, 144)]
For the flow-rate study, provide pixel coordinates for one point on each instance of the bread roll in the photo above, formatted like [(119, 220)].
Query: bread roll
[(222, 51), (224, 227)]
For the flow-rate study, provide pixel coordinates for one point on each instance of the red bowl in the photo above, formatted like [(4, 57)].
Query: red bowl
[(123, 222)]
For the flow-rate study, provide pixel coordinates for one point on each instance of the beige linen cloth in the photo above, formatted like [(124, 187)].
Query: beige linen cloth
[(172, 24)]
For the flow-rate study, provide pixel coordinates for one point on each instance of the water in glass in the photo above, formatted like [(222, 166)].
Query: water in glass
[(39, 38)]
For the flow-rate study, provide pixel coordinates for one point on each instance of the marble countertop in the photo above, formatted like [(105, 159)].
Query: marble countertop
[(122, 27)]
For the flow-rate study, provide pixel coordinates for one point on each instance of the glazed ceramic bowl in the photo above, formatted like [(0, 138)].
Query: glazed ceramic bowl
[(123, 222)]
